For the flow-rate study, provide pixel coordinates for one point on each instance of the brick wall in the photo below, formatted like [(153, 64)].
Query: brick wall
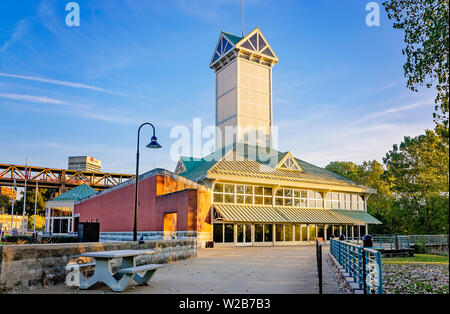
[(24, 267)]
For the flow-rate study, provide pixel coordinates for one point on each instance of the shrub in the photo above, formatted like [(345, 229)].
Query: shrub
[(58, 239), (18, 239), (420, 247)]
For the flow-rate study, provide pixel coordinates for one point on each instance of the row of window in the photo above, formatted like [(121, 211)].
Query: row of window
[(247, 233), (257, 195)]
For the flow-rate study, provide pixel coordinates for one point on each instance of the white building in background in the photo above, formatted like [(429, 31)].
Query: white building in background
[(84, 163)]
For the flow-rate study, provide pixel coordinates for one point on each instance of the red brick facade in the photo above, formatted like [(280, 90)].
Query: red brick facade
[(160, 193)]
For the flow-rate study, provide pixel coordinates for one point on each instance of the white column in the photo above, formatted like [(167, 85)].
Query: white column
[(72, 218), (307, 233)]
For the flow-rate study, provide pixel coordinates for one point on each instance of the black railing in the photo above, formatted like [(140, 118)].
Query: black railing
[(319, 263)]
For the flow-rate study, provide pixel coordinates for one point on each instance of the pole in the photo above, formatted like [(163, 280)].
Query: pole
[(24, 197), (136, 195), (243, 33), (13, 199), (35, 205)]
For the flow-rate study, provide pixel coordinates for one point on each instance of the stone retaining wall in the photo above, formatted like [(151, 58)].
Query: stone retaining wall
[(24, 267), (147, 235)]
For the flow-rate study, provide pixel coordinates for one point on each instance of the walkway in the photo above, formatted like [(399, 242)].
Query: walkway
[(241, 270)]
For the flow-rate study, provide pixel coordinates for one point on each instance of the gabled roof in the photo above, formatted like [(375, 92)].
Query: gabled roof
[(239, 162), (254, 43), (225, 45), (80, 192), (289, 163)]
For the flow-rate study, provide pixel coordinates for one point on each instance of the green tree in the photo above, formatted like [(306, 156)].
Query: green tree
[(5, 204), (426, 27), (418, 172), (380, 204), (347, 169), (29, 208), (40, 223)]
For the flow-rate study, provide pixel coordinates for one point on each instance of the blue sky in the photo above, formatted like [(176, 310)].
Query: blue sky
[(339, 90)]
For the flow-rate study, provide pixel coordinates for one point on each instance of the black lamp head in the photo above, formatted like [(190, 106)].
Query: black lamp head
[(154, 143)]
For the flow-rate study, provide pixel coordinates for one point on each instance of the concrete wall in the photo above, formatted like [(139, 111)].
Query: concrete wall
[(24, 267)]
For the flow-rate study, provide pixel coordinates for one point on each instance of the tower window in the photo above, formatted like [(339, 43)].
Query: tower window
[(254, 41)]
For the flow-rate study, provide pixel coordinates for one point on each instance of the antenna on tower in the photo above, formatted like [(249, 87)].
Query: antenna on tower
[(243, 34)]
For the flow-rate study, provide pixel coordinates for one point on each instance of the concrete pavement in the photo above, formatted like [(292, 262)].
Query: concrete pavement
[(237, 270)]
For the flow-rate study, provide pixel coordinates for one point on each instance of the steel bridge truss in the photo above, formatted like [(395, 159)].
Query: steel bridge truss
[(58, 178)]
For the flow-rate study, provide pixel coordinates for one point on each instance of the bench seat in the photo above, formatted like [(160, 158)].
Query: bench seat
[(140, 269), (79, 266)]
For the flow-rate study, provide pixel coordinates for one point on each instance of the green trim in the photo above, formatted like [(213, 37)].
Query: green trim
[(80, 192), (360, 216), (233, 38)]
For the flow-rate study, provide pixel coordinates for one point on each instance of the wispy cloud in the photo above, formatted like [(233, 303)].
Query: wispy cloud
[(60, 83), (79, 110), (16, 35), (34, 99), (389, 111)]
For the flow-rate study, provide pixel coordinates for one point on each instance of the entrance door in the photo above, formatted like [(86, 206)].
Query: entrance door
[(170, 225), (244, 234)]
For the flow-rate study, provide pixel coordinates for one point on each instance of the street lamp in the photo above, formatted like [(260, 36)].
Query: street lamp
[(153, 144)]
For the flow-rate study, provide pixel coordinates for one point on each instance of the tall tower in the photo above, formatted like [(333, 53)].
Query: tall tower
[(243, 67)]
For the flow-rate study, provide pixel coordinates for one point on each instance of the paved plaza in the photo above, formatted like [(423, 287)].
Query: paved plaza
[(237, 270)]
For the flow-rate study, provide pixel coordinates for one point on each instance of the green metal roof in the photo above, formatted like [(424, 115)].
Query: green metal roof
[(249, 213), (196, 169), (355, 216), (280, 214), (77, 194), (233, 38)]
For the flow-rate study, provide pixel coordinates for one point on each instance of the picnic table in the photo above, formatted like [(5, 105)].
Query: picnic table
[(128, 270)]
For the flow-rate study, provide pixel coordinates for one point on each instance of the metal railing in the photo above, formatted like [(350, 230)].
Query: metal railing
[(429, 239), (392, 242), (362, 264)]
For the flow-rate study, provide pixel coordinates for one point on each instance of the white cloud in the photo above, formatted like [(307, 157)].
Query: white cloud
[(75, 110), (426, 102), (61, 83), (34, 99)]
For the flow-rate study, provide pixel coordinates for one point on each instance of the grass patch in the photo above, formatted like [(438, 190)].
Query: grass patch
[(418, 258)]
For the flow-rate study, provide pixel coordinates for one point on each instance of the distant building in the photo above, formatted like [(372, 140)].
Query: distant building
[(5, 223), (84, 163), (8, 192)]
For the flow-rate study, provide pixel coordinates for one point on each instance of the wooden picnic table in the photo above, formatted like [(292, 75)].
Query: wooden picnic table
[(128, 270)]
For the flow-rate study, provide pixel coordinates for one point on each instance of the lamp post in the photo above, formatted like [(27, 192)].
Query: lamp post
[(153, 144)]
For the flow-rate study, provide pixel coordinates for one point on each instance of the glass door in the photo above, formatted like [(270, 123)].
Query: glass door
[(244, 234)]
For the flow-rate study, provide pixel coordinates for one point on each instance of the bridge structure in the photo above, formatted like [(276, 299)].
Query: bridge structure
[(61, 179)]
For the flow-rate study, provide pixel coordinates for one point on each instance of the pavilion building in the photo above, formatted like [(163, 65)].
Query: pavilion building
[(246, 192)]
